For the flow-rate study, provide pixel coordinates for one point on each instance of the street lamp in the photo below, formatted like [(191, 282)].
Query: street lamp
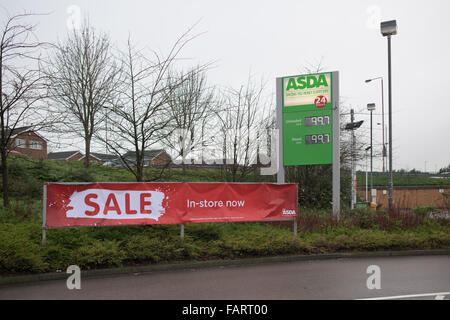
[(382, 117), (367, 149), (388, 29), (371, 107)]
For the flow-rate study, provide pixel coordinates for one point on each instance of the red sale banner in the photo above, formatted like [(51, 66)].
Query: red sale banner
[(102, 204)]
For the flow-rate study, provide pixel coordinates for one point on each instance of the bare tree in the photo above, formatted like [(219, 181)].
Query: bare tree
[(82, 76), (239, 123), (20, 83), (140, 117), (191, 106)]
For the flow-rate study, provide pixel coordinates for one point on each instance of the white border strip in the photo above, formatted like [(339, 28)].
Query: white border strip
[(409, 296)]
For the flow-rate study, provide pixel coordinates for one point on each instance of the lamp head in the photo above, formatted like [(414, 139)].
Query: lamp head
[(388, 28), (371, 106)]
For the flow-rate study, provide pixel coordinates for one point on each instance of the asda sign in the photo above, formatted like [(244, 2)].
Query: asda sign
[(307, 119), (307, 90), (307, 82)]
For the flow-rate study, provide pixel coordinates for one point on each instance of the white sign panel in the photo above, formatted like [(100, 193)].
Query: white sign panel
[(312, 89)]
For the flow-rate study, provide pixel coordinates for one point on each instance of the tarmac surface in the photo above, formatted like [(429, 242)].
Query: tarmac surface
[(424, 277)]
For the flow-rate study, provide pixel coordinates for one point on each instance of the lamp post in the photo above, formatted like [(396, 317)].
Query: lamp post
[(368, 148), (382, 117), (388, 29), (371, 107)]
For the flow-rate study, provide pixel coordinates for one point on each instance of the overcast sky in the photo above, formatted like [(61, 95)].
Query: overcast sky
[(279, 38)]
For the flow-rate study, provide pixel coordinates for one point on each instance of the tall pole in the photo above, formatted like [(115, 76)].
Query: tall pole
[(382, 119), (367, 197), (371, 154), (383, 151), (106, 133), (280, 171), (391, 181), (352, 205), (336, 166)]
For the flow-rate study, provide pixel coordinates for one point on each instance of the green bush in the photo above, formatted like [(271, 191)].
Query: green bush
[(423, 211), (19, 250), (205, 232), (98, 254)]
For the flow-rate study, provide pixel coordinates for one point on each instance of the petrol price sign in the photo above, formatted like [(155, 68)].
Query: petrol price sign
[(307, 119)]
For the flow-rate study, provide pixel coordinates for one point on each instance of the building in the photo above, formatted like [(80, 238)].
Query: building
[(66, 155), (75, 155), (151, 157), (412, 196), (156, 158), (28, 142), (103, 158)]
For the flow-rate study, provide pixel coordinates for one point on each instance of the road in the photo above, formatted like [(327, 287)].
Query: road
[(412, 277)]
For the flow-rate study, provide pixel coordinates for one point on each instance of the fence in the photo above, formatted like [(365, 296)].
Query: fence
[(412, 196)]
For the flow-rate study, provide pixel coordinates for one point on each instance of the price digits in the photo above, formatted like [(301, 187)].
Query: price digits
[(317, 139), (317, 121)]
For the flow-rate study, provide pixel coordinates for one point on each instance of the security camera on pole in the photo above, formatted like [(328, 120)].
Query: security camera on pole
[(353, 126), (367, 184), (371, 108)]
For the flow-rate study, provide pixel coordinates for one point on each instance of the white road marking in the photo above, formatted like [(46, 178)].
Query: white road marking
[(439, 296)]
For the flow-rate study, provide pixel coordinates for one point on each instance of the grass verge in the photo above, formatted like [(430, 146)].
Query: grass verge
[(104, 247)]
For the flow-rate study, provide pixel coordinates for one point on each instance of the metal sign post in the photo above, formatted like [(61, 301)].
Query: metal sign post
[(308, 124), (44, 217), (280, 171), (336, 165)]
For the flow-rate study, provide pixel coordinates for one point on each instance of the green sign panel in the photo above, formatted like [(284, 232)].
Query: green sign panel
[(307, 119)]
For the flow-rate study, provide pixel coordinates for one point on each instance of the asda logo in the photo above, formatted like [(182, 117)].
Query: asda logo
[(307, 82)]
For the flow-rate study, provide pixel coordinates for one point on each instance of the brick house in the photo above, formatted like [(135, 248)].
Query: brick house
[(66, 155), (28, 142), (102, 158), (76, 155), (151, 158)]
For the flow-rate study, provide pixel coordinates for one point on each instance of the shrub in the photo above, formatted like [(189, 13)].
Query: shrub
[(205, 232), (423, 211), (97, 254), (18, 251)]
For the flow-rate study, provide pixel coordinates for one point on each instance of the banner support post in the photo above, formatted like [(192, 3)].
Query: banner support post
[(182, 231), (44, 217), (295, 227), (280, 162)]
